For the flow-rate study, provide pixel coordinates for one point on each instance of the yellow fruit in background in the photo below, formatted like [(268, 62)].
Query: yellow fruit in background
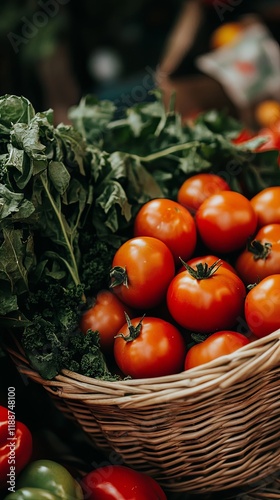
[(267, 113), (225, 34)]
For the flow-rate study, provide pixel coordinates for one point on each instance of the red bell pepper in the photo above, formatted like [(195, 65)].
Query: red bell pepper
[(115, 482), (15, 447)]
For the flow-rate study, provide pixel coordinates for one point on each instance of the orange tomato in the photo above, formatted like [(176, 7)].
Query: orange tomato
[(267, 113), (198, 187), (266, 205), (225, 34), (107, 315), (216, 345)]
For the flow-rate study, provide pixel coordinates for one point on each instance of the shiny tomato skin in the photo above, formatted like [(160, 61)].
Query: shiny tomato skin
[(225, 221), (266, 204), (216, 345), (252, 271), (253, 267), (118, 482), (158, 350), (21, 439), (206, 305), (171, 223), (208, 259), (198, 188), (269, 232), (262, 306), (107, 316), (149, 266)]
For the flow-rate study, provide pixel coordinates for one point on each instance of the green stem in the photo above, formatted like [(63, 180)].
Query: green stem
[(117, 123), (54, 255), (259, 250), (166, 152), (74, 269), (202, 271), (118, 276), (134, 331)]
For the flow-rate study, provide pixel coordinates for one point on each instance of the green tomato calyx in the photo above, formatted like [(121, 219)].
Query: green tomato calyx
[(259, 250), (134, 331), (118, 276), (202, 271)]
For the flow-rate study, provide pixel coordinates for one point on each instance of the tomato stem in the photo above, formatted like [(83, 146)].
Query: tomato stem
[(134, 331), (199, 337), (202, 271), (259, 250), (119, 276), (252, 285)]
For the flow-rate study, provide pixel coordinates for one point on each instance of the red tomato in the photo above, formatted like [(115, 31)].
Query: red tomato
[(107, 316), (262, 306), (149, 347), (267, 206), (171, 223), (225, 221), (216, 345), (261, 256), (141, 272), (198, 188), (16, 443), (270, 232), (207, 259), (206, 304), (118, 482)]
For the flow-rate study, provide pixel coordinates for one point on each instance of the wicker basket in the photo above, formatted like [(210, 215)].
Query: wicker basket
[(267, 489), (209, 429)]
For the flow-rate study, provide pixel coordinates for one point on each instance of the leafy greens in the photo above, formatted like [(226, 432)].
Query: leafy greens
[(68, 197)]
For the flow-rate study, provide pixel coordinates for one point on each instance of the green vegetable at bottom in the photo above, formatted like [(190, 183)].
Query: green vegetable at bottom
[(46, 480), (32, 494)]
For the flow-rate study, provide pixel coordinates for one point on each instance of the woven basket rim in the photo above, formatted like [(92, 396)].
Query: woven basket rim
[(162, 417), (228, 361), (226, 371)]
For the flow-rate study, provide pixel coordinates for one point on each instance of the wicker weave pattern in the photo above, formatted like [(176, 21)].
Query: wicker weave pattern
[(208, 429)]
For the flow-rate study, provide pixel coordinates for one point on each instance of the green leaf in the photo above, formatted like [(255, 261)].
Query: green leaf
[(13, 205), (45, 364), (91, 117), (16, 262), (27, 138), (8, 301), (113, 196), (59, 176), (14, 319), (73, 149), (14, 109), (219, 122)]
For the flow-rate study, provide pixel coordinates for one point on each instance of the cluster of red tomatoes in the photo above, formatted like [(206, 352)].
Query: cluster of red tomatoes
[(207, 264)]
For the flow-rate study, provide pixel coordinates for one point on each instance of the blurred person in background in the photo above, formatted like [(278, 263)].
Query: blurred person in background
[(204, 27)]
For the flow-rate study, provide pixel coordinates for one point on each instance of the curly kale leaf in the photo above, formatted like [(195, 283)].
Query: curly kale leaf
[(96, 263), (53, 342)]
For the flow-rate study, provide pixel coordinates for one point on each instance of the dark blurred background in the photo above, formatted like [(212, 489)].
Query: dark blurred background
[(55, 51)]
